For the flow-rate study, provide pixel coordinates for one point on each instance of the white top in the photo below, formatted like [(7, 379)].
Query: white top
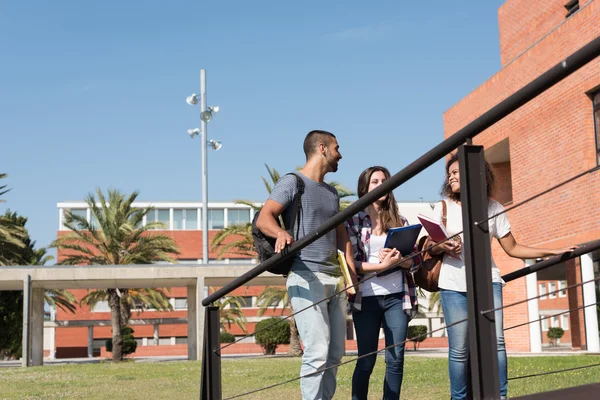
[(379, 286), (452, 274)]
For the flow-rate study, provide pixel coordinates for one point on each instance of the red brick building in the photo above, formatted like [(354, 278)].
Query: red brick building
[(548, 140)]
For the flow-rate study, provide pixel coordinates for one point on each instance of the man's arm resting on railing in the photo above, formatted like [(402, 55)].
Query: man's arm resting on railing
[(267, 224), (516, 250)]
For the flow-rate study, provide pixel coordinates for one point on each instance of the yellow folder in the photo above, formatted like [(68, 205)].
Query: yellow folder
[(345, 271)]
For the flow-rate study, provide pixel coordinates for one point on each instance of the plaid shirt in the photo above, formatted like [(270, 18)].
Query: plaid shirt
[(359, 232)]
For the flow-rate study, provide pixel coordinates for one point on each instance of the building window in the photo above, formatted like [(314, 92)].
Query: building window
[(596, 103), (551, 288), (555, 323), (160, 215), (564, 321), (178, 220), (94, 220), (216, 219), (181, 340), (180, 303), (542, 291), (238, 217), (164, 341), (80, 212), (562, 287), (185, 219), (572, 6), (101, 306), (245, 301), (191, 219), (545, 324)]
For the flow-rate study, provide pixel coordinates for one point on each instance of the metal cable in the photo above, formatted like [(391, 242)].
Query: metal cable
[(541, 295), (553, 372), (426, 250), (550, 316), (345, 362), (596, 168), (413, 255), (422, 252)]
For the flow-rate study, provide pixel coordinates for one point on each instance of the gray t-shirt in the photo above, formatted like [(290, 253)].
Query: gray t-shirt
[(320, 202)]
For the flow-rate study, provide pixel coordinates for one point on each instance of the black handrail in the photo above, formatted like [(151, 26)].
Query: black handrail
[(584, 249), (549, 78)]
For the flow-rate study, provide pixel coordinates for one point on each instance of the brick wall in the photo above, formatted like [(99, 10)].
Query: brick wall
[(522, 22), (551, 138)]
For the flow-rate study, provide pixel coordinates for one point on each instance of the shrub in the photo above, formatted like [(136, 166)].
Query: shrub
[(227, 337), (129, 343), (416, 334), (273, 336), (554, 334)]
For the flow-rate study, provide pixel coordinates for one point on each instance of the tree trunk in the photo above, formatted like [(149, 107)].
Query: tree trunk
[(125, 312), (115, 313), (295, 348)]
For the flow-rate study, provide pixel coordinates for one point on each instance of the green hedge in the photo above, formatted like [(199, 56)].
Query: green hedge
[(273, 336)]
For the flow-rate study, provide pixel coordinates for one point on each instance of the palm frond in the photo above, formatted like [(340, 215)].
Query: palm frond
[(271, 297), (248, 203), (242, 242), (341, 189), (61, 298)]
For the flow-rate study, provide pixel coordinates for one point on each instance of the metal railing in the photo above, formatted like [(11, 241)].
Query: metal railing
[(484, 384)]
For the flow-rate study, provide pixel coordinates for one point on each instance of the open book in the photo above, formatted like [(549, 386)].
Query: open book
[(345, 271), (436, 230)]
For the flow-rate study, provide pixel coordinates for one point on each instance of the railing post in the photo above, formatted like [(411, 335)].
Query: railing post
[(478, 258), (210, 384)]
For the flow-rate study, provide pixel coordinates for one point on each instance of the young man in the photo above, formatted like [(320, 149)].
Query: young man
[(315, 272)]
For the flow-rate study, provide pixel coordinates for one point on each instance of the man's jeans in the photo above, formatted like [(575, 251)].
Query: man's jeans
[(367, 323), (454, 305), (322, 329)]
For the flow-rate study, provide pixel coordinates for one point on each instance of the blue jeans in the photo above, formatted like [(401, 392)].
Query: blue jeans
[(367, 323), (454, 306), (322, 329)]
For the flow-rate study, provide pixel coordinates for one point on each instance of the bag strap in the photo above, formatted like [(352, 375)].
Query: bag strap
[(444, 213), (297, 206)]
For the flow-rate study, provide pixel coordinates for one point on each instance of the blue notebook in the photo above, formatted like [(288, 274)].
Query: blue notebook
[(403, 239)]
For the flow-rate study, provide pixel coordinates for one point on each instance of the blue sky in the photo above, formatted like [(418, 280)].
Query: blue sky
[(92, 94)]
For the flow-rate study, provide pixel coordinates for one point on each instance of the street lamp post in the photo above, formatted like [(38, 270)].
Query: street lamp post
[(203, 125), (206, 114)]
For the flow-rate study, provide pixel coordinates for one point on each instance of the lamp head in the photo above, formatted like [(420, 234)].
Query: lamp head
[(215, 144), (194, 132), (206, 116), (192, 99)]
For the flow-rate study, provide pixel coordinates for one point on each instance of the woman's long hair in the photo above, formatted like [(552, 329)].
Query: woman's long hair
[(446, 190), (389, 217)]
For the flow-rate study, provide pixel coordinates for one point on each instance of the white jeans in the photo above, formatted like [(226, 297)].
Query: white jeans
[(322, 329)]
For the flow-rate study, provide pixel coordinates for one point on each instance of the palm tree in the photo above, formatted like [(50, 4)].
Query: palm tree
[(230, 309), (116, 238), (236, 239), (434, 302), (271, 297), (12, 236)]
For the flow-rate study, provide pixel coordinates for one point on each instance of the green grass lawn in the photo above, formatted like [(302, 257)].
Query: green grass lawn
[(424, 378)]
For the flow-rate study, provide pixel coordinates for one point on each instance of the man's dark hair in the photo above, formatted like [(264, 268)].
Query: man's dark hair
[(312, 140)]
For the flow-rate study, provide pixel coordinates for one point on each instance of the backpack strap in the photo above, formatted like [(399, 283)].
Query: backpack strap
[(297, 206)]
